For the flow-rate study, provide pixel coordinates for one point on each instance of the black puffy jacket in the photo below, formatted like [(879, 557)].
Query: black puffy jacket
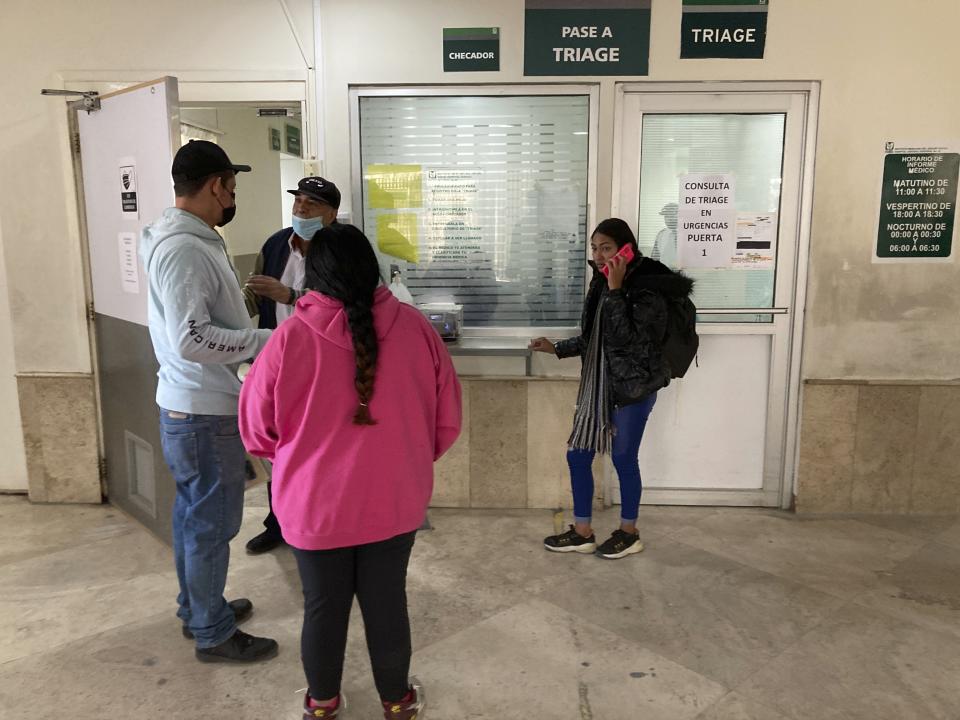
[(634, 321)]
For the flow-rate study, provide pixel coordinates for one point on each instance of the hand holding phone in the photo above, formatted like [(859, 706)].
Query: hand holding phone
[(626, 252)]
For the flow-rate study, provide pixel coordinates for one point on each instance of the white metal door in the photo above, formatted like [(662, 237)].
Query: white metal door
[(723, 434), (126, 152)]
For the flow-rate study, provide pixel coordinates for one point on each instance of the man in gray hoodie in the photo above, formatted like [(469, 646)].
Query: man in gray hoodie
[(201, 333)]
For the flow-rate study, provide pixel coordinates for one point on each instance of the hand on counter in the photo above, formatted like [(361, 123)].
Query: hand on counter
[(541, 344)]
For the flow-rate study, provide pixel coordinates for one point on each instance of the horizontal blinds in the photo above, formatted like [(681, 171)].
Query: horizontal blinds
[(481, 201)]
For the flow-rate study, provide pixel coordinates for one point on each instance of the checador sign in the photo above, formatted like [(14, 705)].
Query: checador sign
[(471, 49)]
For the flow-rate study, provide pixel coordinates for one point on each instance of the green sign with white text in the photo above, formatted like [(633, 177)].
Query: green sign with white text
[(471, 49), (918, 204), (577, 37), (723, 28)]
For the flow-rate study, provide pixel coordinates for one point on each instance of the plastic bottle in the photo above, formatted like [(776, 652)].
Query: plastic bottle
[(399, 290)]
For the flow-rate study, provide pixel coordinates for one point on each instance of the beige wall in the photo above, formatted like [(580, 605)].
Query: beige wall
[(13, 463), (887, 70)]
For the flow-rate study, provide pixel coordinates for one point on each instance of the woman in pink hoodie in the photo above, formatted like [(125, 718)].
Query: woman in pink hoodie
[(352, 400)]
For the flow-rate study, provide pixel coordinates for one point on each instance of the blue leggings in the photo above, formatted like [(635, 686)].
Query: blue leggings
[(629, 422)]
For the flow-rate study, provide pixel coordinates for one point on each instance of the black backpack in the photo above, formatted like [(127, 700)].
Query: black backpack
[(680, 342)]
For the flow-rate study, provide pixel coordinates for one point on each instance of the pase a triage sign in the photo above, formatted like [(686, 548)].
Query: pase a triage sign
[(580, 37)]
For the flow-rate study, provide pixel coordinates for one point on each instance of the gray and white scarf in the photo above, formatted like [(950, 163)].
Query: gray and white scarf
[(592, 429)]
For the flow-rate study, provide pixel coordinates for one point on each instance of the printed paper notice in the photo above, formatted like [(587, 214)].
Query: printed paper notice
[(756, 241), (706, 220), (394, 187), (128, 188), (398, 235), (129, 268)]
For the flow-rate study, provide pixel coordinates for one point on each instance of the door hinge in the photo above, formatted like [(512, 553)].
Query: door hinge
[(76, 143), (91, 313)]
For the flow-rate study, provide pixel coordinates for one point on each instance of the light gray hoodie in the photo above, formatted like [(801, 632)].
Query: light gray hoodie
[(199, 324)]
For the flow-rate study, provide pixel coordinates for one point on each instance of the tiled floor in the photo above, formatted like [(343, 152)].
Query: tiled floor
[(728, 615)]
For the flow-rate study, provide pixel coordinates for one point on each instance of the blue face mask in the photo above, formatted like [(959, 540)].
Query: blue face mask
[(307, 227)]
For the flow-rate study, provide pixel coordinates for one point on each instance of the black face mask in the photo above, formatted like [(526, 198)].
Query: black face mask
[(229, 213)]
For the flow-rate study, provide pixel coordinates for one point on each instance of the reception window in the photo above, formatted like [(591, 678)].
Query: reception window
[(480, 200)]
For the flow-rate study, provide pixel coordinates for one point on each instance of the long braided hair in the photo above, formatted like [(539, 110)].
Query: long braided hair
[(341, 264)]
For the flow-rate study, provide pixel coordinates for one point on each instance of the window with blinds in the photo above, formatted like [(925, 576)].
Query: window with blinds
[(481, 201), (750, 148)]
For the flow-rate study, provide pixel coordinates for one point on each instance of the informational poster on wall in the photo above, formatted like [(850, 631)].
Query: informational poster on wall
[(293, 140), (756, 241), (452, 223), (584, 37), (723, 28), (128, 188), (706, 220), (397, 189), (918, 203), (431, 213), (129, 265)]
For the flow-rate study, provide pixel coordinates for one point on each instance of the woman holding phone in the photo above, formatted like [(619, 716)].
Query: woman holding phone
[(620, 346)]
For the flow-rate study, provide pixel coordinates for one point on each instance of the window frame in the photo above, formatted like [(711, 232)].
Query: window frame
[(590, 90)]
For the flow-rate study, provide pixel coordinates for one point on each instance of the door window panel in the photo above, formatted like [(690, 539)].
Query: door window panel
[(750, 146)]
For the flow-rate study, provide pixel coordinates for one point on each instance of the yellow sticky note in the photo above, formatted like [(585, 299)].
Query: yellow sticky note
[(391, 187), (398, 234)]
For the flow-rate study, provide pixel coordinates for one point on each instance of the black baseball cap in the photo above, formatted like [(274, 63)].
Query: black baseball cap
[(318, 189), (199, 159)]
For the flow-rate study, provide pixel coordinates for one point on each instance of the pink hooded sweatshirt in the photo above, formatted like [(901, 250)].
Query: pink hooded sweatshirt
[(336, 484)]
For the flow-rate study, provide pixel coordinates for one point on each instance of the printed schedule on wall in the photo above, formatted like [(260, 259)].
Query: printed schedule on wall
[(918, 202)]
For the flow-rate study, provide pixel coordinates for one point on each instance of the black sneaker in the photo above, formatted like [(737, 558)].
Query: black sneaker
[(570, 541), (620, 545), (242, 609), (264, 542), (239, 648)]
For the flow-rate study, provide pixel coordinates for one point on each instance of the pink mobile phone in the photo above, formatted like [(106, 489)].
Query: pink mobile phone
[(626, 252)]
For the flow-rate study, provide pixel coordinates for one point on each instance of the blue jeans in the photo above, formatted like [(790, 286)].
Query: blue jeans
[(206, 456), (629, 423)]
